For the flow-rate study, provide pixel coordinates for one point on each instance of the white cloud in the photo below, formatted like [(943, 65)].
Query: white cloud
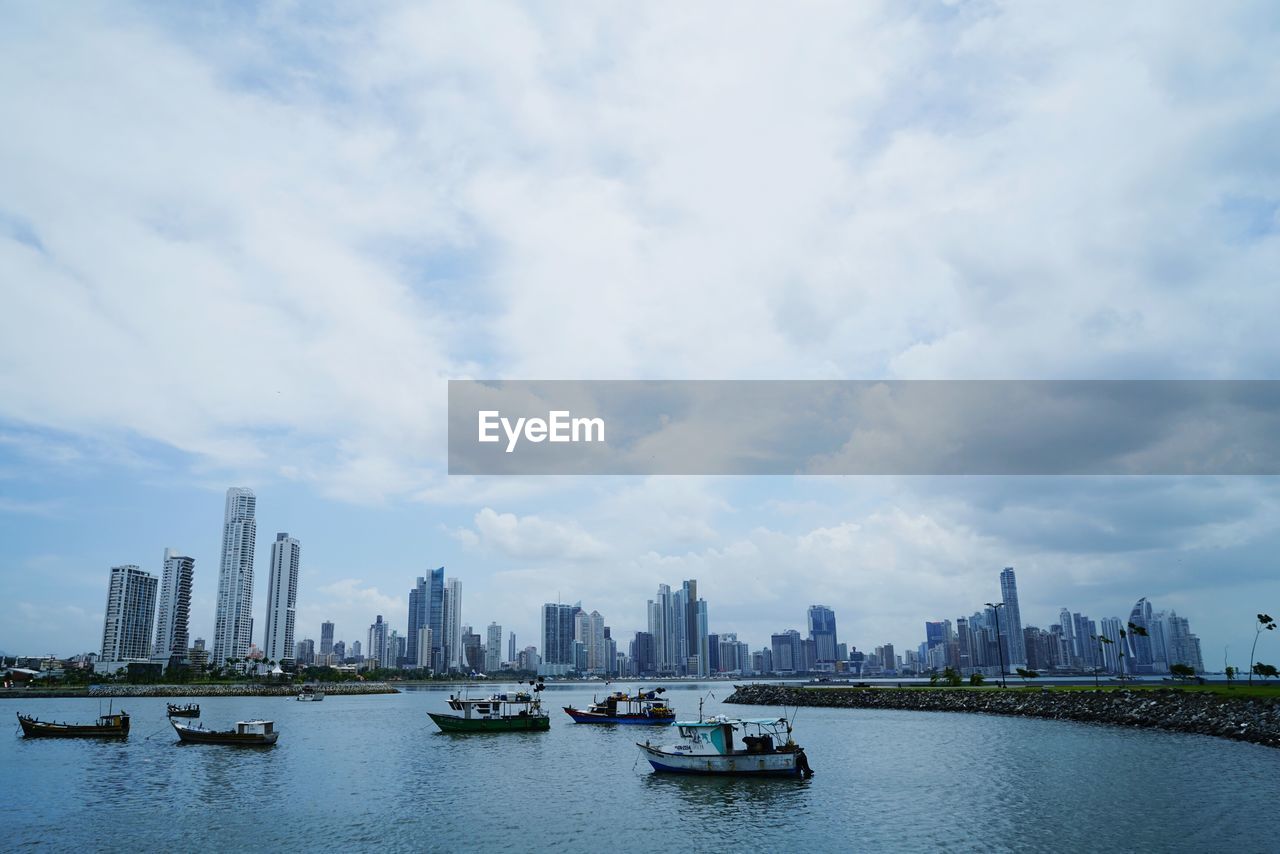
[(531, 537)]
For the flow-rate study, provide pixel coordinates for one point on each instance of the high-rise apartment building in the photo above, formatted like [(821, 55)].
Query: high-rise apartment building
[(233, 619), (557, 636), (282, 599), (1011, 630), (822, 631), (455, 658), (493, 648), (419, 619), (435, 618), (175, 609), (326, 638), (378, 651), (129, 617)]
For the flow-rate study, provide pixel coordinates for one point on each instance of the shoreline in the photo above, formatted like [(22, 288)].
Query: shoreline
[(1252, 719), (208, 690)]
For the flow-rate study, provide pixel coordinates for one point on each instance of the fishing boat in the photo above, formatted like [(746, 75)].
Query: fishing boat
[(756, 747), (107, 726), (247, 733), (190, 710), (642, 707), (310, 693), (519, 711)]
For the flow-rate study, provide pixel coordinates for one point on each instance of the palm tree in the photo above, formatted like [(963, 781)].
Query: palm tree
[(1264, 622)]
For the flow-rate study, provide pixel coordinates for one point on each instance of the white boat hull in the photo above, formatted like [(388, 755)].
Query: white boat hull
[(738, 764)]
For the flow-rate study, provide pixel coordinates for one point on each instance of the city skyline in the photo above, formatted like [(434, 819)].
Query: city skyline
[(677, 639)]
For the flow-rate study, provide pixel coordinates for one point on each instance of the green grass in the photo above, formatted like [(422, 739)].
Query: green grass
[(1237, 690)]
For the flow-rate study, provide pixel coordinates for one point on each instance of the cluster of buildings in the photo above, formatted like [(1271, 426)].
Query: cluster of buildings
[(146, 626), (994, 640)]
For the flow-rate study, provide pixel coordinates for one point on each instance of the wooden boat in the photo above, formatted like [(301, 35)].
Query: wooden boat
[(310, 693), (708, 747), (520, 711), (190, 710), (643, 707), (107, 726), (246, 733)]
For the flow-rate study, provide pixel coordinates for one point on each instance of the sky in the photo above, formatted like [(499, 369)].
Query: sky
[(249, 246)]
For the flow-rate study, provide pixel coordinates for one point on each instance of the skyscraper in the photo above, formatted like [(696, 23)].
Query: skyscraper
[(233, 619), (282, 599), (1012, 619), (326, 638), (689, 624), (1140, 656), (175, 608), (661, 626), (511, 650), (557, 635), (378, 643), (589, 631), (419, 618), (435, 619), (493, 648), (131, 610), (454, 656), (822, 631)]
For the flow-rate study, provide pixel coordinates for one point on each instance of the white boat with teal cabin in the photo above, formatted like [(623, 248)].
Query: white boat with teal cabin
[(756, 747)]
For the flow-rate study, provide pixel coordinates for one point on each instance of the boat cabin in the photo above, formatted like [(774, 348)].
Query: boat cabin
[(498, 706), (254, 727), (716, 736)]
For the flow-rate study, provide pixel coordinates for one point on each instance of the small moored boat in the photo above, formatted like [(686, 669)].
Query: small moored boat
[(190, 710), (709, 747), (310, 693), (248, 733), (519, 711), (107, 726), (642, 707)]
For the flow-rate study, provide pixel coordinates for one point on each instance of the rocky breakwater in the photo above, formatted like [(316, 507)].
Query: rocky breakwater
[(235, 690), (1252, 719)]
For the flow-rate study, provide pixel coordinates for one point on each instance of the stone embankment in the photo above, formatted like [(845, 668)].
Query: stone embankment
[(1250, 719), (235, 690)]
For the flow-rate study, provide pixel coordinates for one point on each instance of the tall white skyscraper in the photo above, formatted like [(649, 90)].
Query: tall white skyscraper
[(131, 611), (175, 608), (493, 648), (1012, 619), (589, 631), (233, 619), (282, 599), (453, 654)]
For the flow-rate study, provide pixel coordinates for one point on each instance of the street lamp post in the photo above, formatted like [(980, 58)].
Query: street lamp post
[(999, 649)]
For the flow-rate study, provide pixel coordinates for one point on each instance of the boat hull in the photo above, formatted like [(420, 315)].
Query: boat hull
[(206, 736), (32, 728), (457, 724), (784, 764), (583, 717), (177, 712)]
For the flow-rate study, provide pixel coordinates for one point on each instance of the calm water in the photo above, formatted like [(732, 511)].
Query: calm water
[(373, 772)]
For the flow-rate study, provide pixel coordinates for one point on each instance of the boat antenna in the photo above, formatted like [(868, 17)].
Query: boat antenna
[(702, 700)]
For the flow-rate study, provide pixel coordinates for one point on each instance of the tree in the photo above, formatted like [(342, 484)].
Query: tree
[(1266, 671), (1026, 674), (1230, 673), (1101, 639), (951, 677), (1264, 623), (976, 679), (1182, 671)]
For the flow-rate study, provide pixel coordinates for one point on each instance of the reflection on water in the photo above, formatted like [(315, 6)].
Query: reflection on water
[(374, 772)]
